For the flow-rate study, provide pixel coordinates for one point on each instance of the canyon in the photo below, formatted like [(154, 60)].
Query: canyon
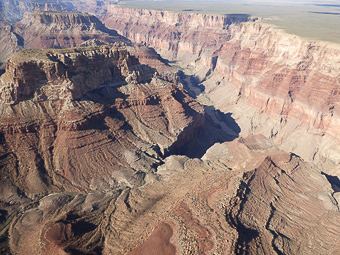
[(157, 132), (44, 30), (265, 75)]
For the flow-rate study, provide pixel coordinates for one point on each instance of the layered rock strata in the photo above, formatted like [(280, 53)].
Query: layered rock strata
[(81, 131), (76, 118), (243, 197), (42, 30), (274, 83), (87, 144), (14, 10)]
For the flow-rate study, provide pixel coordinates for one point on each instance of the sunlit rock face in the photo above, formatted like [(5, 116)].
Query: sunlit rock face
[(63, 30), (64, 103), (51, 29), (275, 84), (103, 151)]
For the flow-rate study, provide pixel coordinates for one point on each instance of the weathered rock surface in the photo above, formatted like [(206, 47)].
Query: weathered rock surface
[(14, 10), (58, 106), (42, 30), (220, 211), (80, 120), (278, 208), (10, 42), (264, 75), (88, 138), (243, 197)]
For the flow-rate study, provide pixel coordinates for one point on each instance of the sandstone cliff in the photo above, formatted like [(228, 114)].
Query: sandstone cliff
[(80, 129), (63, 30), (89, 137), (41, 30), (274, 83), (14, 10), (65, 103)]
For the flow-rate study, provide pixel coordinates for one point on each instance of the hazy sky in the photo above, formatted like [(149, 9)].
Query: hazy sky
[(263, 1)]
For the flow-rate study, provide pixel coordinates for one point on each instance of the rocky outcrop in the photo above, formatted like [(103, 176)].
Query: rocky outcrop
[(70, 103), (10, 42), (42, 30), (264, 75), (278, 210), (65, 74), (14, 10)]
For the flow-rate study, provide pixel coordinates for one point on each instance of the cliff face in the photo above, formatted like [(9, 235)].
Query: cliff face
[(42, 30), (67, 104), (64, 75), (9, 42), (291, 82), (14, 10), (88, 138), (83, 132), (63, 30)]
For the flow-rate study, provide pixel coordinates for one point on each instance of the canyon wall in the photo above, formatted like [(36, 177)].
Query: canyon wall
[(43, 30), (102, 150), (59, 105), (10, 42), (63, 30), (14, 10), (275, 84)]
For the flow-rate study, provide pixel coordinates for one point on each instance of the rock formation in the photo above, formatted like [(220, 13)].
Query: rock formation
[(14, 10), (63, 30), (43, 30), (102, 150), (65, 103), (10, 42), (79, 120), (265, 75)]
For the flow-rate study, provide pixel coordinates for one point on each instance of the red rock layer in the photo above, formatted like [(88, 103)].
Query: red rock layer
[(87, 118), (249, 64), (158, 242), (41, 30), (283, 206)]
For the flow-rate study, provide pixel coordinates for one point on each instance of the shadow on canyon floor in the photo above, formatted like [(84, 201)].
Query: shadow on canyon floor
[(334, 181), (218, 127), (214, 127), (191, 84)]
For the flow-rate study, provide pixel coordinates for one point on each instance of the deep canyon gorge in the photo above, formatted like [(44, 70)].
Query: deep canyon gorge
[(157, 132)]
